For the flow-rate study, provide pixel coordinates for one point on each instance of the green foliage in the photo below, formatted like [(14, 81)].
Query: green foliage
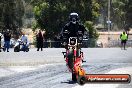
[(51, 15), (95, 9), (128, 15), (93, 34), (37, 11), (91, 30), (35, 25), (119, 12), (11, 14)]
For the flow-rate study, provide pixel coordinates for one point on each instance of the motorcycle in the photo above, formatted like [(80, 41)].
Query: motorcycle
[(74, 59), (21, 46)]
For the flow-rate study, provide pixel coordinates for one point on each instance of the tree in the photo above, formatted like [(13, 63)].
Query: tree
[(128, 15), (92, 33), (12, 12), (119, 12), (51, 15)]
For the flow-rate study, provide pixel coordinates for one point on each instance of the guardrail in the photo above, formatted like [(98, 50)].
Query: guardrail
[(57, 44), (117, 43)]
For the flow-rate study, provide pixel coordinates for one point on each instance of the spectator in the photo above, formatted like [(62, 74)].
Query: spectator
[(124, 38), (39, 39), (7, 37), (24, 40)]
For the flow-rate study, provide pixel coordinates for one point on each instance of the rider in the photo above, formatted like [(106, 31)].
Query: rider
[(72, 29), (24, 40)]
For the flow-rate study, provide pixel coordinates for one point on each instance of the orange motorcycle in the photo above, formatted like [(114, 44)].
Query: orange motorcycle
[(74, 59)]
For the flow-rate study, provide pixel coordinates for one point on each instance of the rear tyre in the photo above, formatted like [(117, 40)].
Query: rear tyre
[(74, 77)]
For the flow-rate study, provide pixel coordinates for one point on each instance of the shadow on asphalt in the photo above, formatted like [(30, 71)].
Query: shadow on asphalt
[(69, 82)]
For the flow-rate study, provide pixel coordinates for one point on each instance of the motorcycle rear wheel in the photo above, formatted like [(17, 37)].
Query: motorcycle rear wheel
[(74, 77)]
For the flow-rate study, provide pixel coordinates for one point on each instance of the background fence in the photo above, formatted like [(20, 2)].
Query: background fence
[(89, 43), (117, 43), (57, 44)]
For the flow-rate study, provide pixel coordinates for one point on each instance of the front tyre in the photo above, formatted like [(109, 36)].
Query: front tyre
[(81, 80), (70, 60)]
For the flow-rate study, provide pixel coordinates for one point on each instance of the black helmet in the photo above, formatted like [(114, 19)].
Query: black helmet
[(74, 17)]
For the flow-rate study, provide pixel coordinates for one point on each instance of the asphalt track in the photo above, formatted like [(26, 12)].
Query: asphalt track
[(54, 73)]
